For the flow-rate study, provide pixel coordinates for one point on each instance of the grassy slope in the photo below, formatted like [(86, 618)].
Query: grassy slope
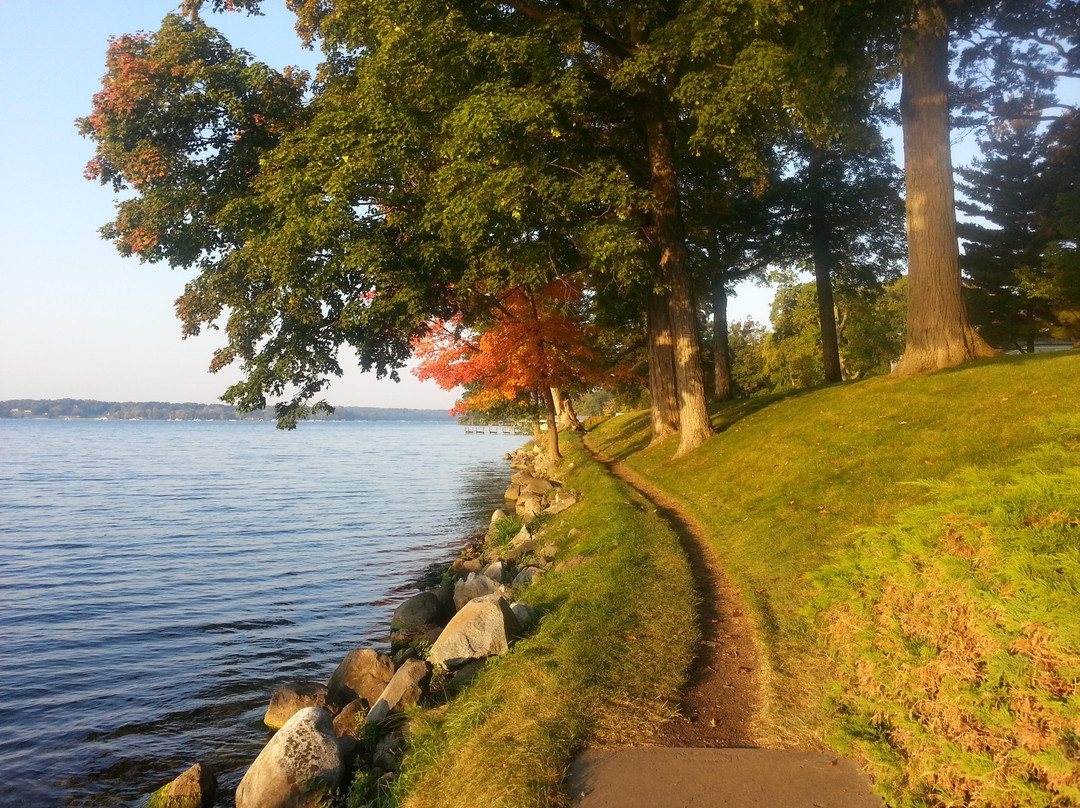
[(788, 482), (606, 662)]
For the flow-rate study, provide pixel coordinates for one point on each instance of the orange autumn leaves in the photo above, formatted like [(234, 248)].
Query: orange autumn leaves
[(527, 341)]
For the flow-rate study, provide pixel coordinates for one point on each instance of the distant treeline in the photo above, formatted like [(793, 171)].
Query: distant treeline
[(165, 411)]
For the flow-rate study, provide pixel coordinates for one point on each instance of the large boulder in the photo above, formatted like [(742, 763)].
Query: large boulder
[(364, 673), (524, 542), (563, 500), (495, 571), (301, 766), (408, 686), (414, 636), (529, 505), (527, 616), (484, 627), (477, 585), (290, 698), (195, 788), (527, 576), (423, 609), (463, 566)]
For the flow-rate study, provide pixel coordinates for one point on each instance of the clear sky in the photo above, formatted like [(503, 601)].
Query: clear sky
[(76, 319)]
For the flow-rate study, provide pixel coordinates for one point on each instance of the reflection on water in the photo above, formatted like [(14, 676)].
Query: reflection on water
[(158, 580)]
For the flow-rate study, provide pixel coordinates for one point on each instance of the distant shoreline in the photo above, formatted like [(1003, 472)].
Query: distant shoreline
[(72, 409)]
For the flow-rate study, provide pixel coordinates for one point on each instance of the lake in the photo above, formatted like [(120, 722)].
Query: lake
[(159, 579)]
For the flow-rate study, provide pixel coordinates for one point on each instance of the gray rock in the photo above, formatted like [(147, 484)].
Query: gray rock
[(537, 485), (529, 505), (526, 615), (527, 576), (463, 676), (289, 698), (494, 571), (561, 503), (195, 788), (388, 751), (350, 721), (484, 627), (301, 766), (408, 686), (475, 586), (414, 636), (362, 674), (422, 609)]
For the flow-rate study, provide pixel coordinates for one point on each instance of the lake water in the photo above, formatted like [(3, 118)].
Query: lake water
[(159, 579)]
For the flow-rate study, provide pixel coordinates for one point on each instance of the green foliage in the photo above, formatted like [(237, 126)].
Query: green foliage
[(955, 628), (503, 530)]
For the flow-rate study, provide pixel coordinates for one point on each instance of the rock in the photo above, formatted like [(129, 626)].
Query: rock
[(524, 542), (415, 636), (462, 566), (497, 514), (388, 751), (300, 767), (423, 609), (445, 594), (362, 674), (408, 686), (351, 720), (537, 486), (484, 627), (549, 550), (561, 503), (494, 571), (526, 615), (292, 697), (527, 575), (465, 674), (349, 748), (475, 586), (573, 533), (195, 788), (571, 563), (529, 505)]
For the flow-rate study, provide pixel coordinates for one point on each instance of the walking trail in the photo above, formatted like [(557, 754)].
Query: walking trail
[(705, 756)]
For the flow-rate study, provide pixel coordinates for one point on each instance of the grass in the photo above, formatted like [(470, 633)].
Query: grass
[(794, 484), (604, 665)]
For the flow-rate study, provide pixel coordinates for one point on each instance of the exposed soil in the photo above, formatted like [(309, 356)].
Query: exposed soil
[(721, 700)]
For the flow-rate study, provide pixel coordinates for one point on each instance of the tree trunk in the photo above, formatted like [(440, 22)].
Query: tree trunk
[(538, 434), (824, 264), (939, 334), (721, 348), (564, 406), (665, 405), (670, 235), (552, 424)]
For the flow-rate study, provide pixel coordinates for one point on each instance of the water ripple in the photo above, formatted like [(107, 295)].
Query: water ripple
[(159, 579)]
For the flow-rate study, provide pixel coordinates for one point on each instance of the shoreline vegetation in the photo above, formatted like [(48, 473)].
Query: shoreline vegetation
[(92, 410), (911, 571)]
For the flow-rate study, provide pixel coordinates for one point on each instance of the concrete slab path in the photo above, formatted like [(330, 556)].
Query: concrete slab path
[(658, 777)]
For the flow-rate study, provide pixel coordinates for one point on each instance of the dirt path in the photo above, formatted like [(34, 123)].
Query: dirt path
[(720, 704), (701, 759)]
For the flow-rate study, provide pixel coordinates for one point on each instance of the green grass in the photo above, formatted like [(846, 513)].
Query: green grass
[(604, 665), (791, 483)]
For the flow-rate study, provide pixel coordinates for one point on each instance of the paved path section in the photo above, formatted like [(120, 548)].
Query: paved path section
[(657, 777)]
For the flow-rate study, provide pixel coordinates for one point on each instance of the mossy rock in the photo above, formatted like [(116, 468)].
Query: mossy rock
[(195, 788)]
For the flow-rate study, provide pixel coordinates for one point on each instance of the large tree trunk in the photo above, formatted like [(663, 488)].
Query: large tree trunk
[(670, 235), (564, 406), (552, 424), (939, 334), (824, 264), (665, 404), (720, 345)]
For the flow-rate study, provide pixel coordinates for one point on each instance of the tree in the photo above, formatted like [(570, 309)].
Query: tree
[(524, 342)]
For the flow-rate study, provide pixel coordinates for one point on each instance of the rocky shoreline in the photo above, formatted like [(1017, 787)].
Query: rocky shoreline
[(356, 723)]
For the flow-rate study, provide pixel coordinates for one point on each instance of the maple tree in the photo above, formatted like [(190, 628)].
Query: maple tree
[(524, 341)]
